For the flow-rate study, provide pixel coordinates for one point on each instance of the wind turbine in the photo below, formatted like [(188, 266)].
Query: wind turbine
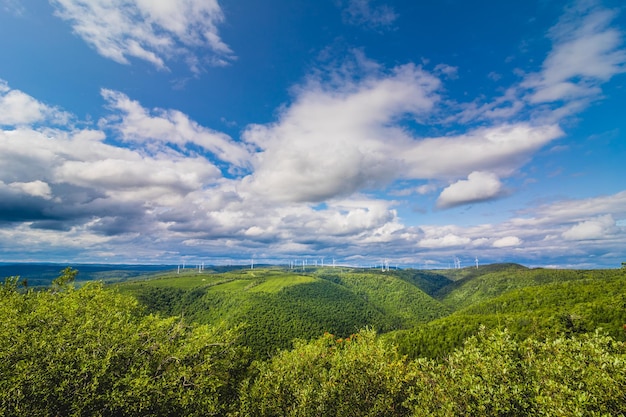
[(477, 262)]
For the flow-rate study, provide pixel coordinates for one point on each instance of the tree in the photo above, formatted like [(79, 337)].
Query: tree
[(65, 279)]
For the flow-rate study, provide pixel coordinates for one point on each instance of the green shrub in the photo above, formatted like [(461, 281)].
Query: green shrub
[(356, 376), (91, 352)]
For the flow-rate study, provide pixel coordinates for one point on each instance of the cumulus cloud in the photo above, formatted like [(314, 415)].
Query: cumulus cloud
[(153, 31), (160, 189), (61, 177), (479, 186), (507, 241), (447, 241), (597, 228), (344, 136), (336, 140), (18, 108), (579, 210), (35, 188), (447, 70), (501, 149)]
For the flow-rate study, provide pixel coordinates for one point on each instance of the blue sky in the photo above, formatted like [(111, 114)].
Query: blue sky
[(420, 132)]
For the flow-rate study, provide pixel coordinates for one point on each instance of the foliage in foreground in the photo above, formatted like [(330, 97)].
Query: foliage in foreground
[(492, 375), (91, 352)]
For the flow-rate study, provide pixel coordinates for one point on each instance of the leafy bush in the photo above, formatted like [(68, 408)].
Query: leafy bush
[(355, 376), (493, 375), (91, 352)]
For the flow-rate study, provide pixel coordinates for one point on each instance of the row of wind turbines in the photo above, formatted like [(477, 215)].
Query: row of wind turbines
[(384, 265)]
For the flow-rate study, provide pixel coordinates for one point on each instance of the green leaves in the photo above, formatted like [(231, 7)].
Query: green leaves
[(355, 376), (92, 352), (492, 375)]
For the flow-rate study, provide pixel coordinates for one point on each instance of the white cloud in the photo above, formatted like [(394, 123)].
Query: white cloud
[(585, 53), (579, 210), (160, 127), (447, 241), (362, 12), (597, 228), (500, 149), (345, 136), (80, 183), (66, 179), (154, 31), (18, 108), (447, 70), (35, 188), (334, 141), (507, 242), (479, 186), (13, 6)]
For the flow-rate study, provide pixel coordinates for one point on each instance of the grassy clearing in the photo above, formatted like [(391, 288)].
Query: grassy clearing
[(235, 285), (184, 281), (275, 284)]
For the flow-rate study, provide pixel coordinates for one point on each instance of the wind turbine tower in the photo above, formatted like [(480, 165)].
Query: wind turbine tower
[(476, 262)]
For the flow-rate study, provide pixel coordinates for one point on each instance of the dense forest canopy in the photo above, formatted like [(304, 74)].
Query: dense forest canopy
[(497, 340)]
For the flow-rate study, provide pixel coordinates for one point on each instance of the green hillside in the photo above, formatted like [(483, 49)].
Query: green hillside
[(279, 305), (480, 285), (427, 313), (397, 298), (550, 303)]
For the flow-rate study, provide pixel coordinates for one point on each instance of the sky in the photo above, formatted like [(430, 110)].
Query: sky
[(153, 131)]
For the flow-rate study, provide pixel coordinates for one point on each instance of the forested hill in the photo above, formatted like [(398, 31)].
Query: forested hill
[(427, 312), (527, 302), (278, 305), (483, 285)]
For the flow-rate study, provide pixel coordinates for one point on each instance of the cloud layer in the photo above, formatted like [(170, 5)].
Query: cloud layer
[(327, 177)]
